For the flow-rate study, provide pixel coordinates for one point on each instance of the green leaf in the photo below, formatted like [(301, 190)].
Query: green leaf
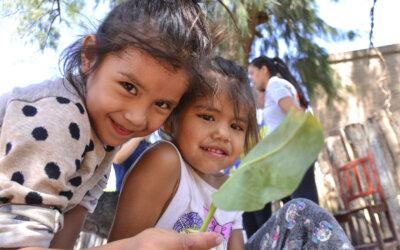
[(274, 167)]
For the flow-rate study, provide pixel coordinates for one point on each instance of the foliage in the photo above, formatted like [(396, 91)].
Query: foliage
[(39, 20), (283, 28)]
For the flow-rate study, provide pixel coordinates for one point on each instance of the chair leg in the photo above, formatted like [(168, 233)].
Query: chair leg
[(376, 229), (353, 233), (392, 228)]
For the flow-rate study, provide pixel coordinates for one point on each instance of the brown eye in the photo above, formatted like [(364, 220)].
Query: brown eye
[(130, 87), (237, 127), (163, 105), (206, 117)]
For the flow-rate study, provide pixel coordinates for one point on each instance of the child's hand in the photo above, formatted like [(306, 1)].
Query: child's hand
[(168, 239)]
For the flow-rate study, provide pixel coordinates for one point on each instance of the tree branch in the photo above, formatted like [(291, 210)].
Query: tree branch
[(59, 9), (231, 15)]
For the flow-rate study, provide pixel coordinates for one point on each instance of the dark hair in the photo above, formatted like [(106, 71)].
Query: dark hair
[(173, 31), (228, 77), (277, 66)]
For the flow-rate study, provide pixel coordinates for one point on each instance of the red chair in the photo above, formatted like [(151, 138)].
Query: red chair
[(359, 179)]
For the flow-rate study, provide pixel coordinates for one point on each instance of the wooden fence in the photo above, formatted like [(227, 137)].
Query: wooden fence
[(381, 135)]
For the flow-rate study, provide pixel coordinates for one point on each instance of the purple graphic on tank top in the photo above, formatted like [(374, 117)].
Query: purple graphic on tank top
[(188, 223)]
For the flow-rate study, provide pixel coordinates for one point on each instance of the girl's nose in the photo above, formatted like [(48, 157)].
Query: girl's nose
[(137, 118), (223, 133)]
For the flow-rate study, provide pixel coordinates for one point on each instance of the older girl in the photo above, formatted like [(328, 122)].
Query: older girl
[(58, 138)]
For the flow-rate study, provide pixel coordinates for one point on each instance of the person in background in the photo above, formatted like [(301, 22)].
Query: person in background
[(126, 157), (282, 93)]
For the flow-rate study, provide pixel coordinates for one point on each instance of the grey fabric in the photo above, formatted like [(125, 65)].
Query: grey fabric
[(300, 224)]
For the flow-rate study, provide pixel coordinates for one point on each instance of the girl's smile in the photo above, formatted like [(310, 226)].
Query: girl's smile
[(121, 130), (218, 152), (131, 94)]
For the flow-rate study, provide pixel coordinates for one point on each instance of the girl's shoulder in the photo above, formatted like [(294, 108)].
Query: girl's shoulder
[(278, 85), (276, 81), (162, 155), (43, 94), (166, 150), (49, 88)]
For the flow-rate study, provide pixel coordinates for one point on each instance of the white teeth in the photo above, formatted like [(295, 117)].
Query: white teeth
[(214, 150)]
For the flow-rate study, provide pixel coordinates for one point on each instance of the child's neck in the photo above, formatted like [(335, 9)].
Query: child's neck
[(214, 179)]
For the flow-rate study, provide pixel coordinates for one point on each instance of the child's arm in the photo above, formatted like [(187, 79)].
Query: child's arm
[(126, 150), (288, 103), (146, 191), (73, 222), (236, 241)]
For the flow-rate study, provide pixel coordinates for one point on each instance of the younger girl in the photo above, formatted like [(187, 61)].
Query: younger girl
[(209, 130), (58, 138)]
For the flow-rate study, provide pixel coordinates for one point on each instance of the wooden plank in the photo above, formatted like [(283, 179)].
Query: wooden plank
[(391, 145), (328, 191), (336, 150), (357, 137), (396, 123), (347, 145), (337, 155), (386, 178)]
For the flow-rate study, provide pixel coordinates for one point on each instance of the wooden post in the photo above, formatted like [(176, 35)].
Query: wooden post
[(384, 173), (327, 184), (391, 145), (357, 138), (337, 156), (336, 150)]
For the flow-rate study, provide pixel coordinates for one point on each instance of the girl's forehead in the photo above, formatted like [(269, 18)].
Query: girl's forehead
[(251, 67), (131, 53), (223, 100)]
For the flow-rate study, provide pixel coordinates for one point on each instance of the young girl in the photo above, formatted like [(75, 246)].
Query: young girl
[(209, 130), (272, 77), (58, 138)]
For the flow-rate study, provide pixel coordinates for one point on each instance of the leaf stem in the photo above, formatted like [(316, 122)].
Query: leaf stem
[(210, 214)]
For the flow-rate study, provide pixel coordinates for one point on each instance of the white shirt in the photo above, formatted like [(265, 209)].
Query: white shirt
[(189, 207), (277, 88)]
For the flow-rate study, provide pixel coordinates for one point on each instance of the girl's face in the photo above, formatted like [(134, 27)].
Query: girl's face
[(208, 134), (131, 94), (259, 77)]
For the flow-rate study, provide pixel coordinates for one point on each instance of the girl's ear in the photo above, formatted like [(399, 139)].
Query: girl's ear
[(87, 59), (266, 72), (168, 127), (264, 69)]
